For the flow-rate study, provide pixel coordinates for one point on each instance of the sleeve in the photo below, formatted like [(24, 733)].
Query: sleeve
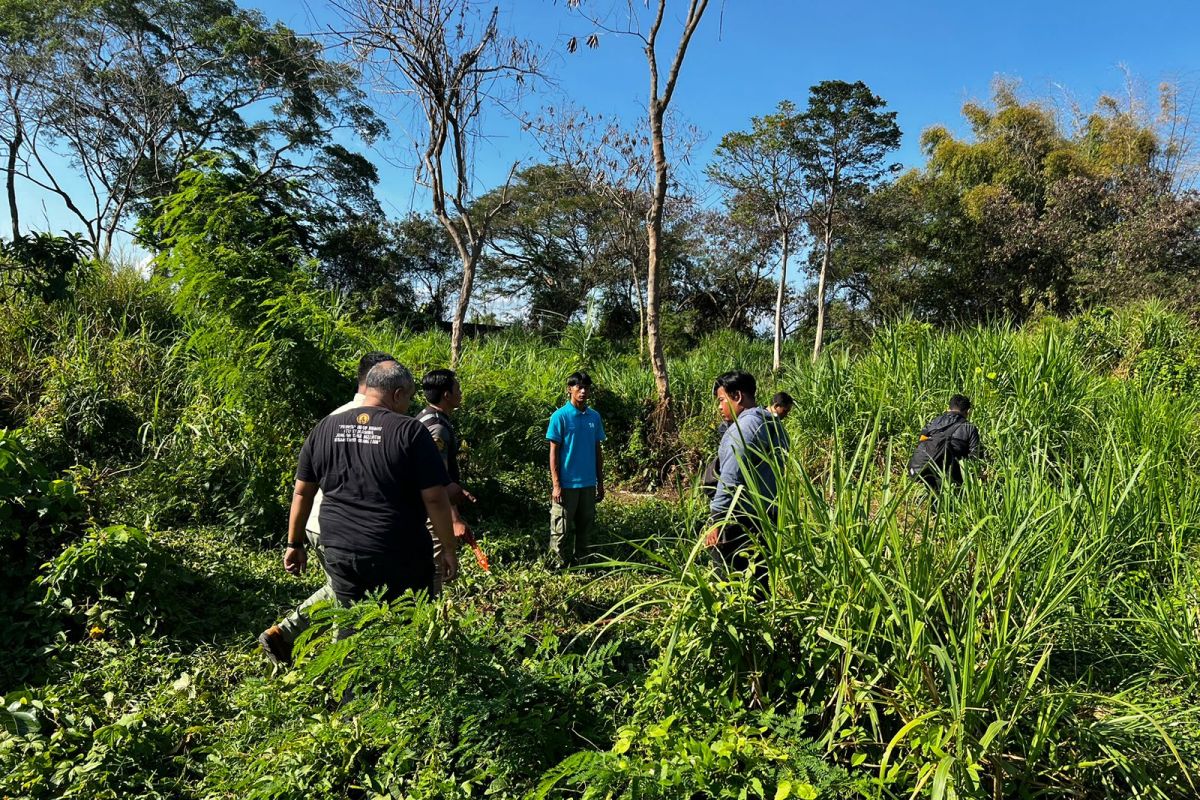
[(729, 476), (554, 432), (441, 440), (600, 437), (426, 461), (975, 445), (306, 470)]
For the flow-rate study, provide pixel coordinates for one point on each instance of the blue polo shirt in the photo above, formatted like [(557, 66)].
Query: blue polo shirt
[(578, 434)]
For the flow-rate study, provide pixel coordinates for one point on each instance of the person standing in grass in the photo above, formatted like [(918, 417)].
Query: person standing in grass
[(276, 641), (575, 434), (443, 393), (382, 477), (750, 452), (947, 440)]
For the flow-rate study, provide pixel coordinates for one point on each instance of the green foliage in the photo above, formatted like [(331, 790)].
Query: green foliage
[(744, 756), (35, 507), (100, 581), (42, 264)]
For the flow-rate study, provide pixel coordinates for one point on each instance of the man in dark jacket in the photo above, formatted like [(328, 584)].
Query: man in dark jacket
[(946, 441)]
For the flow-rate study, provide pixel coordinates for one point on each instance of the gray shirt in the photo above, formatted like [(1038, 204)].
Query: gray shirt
[(750, 448)]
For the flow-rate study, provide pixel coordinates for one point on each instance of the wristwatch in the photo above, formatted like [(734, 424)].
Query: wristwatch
[(291, 544)]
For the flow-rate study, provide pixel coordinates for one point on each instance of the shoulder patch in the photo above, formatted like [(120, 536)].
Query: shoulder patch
[(441, 444)]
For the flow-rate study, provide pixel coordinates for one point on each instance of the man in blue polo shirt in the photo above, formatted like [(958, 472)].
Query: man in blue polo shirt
[(576, 472)]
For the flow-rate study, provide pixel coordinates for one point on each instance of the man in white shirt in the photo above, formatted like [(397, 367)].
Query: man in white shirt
[(277, 640)]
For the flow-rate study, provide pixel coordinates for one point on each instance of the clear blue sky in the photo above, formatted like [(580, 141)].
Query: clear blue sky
[(924, 59)]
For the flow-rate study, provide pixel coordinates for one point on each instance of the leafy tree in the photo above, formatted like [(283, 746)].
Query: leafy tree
[(761, 171), (552, 244), (724, 274), (129, 91), (662, 89), (842, 138), (453, 62), (1029, 213)]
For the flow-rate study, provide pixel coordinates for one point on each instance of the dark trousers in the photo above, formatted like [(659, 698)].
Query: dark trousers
[(731, 554), (354, 575)]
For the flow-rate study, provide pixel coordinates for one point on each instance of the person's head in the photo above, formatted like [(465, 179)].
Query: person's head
[(734, 391), (961, 404), (392, 385), (781, 404), (364, 366), (579, 388), (442, 389)]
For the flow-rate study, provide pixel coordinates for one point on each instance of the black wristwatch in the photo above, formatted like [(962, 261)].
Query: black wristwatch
[(295, 544)]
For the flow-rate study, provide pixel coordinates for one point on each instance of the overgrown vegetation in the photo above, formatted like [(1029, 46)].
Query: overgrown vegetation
[(1038, 636)]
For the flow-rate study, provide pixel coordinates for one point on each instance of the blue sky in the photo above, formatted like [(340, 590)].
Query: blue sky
[(924, 59)]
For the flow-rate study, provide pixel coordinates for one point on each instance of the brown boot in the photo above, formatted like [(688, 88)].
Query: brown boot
[(276, 648)]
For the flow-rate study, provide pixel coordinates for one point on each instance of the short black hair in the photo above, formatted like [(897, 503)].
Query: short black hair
[(579, 379), (369, 360), (960, 403), (736, 381), (783, 400), (436, 384)]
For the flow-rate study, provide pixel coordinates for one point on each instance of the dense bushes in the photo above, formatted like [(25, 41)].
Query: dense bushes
[(1038, 636)]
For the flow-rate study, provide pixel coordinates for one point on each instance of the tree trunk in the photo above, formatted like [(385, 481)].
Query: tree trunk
[(821, 294), (641, 309), (460, 309), (658, 361), (10, 174), (777, 357)]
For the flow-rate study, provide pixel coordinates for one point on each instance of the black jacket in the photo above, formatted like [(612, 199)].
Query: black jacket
[(964, 441)]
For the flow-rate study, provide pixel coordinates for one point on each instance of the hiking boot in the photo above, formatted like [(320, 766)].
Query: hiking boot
[(276, 648)]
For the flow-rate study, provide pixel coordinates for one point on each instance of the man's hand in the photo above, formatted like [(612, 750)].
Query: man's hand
[(461, 530), (295, 559), (713, 537), (556, 494), (449, 565), (599, 492)]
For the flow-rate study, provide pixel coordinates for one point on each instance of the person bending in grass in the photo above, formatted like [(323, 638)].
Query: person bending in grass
[(575, 434), (781, 404), (382, 476), (947, 440), (747, 459), (276, 641)]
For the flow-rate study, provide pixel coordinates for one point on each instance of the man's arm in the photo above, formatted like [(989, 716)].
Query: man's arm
[(295, 558), (975, 445), (555, 482), (437, 506)]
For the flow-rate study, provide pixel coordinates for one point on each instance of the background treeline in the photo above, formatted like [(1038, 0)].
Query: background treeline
[(1043, 207)]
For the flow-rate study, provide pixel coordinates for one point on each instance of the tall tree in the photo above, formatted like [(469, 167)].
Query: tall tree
[(761, 173), (452, 61), (129, 92), (662, 90), (842, 138), (608, 160)]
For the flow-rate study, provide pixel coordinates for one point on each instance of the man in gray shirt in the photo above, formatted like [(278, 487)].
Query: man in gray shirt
[(749, 456)]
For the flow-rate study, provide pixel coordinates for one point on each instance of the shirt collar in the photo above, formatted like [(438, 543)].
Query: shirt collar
[(359, 397)]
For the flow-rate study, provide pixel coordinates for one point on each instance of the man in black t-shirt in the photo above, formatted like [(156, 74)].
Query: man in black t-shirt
[(381, 476)]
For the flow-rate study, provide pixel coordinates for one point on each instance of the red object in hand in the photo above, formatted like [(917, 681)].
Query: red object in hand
[(480, 557)]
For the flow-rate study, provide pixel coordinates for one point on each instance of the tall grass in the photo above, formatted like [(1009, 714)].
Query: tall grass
[(1035, 637)]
